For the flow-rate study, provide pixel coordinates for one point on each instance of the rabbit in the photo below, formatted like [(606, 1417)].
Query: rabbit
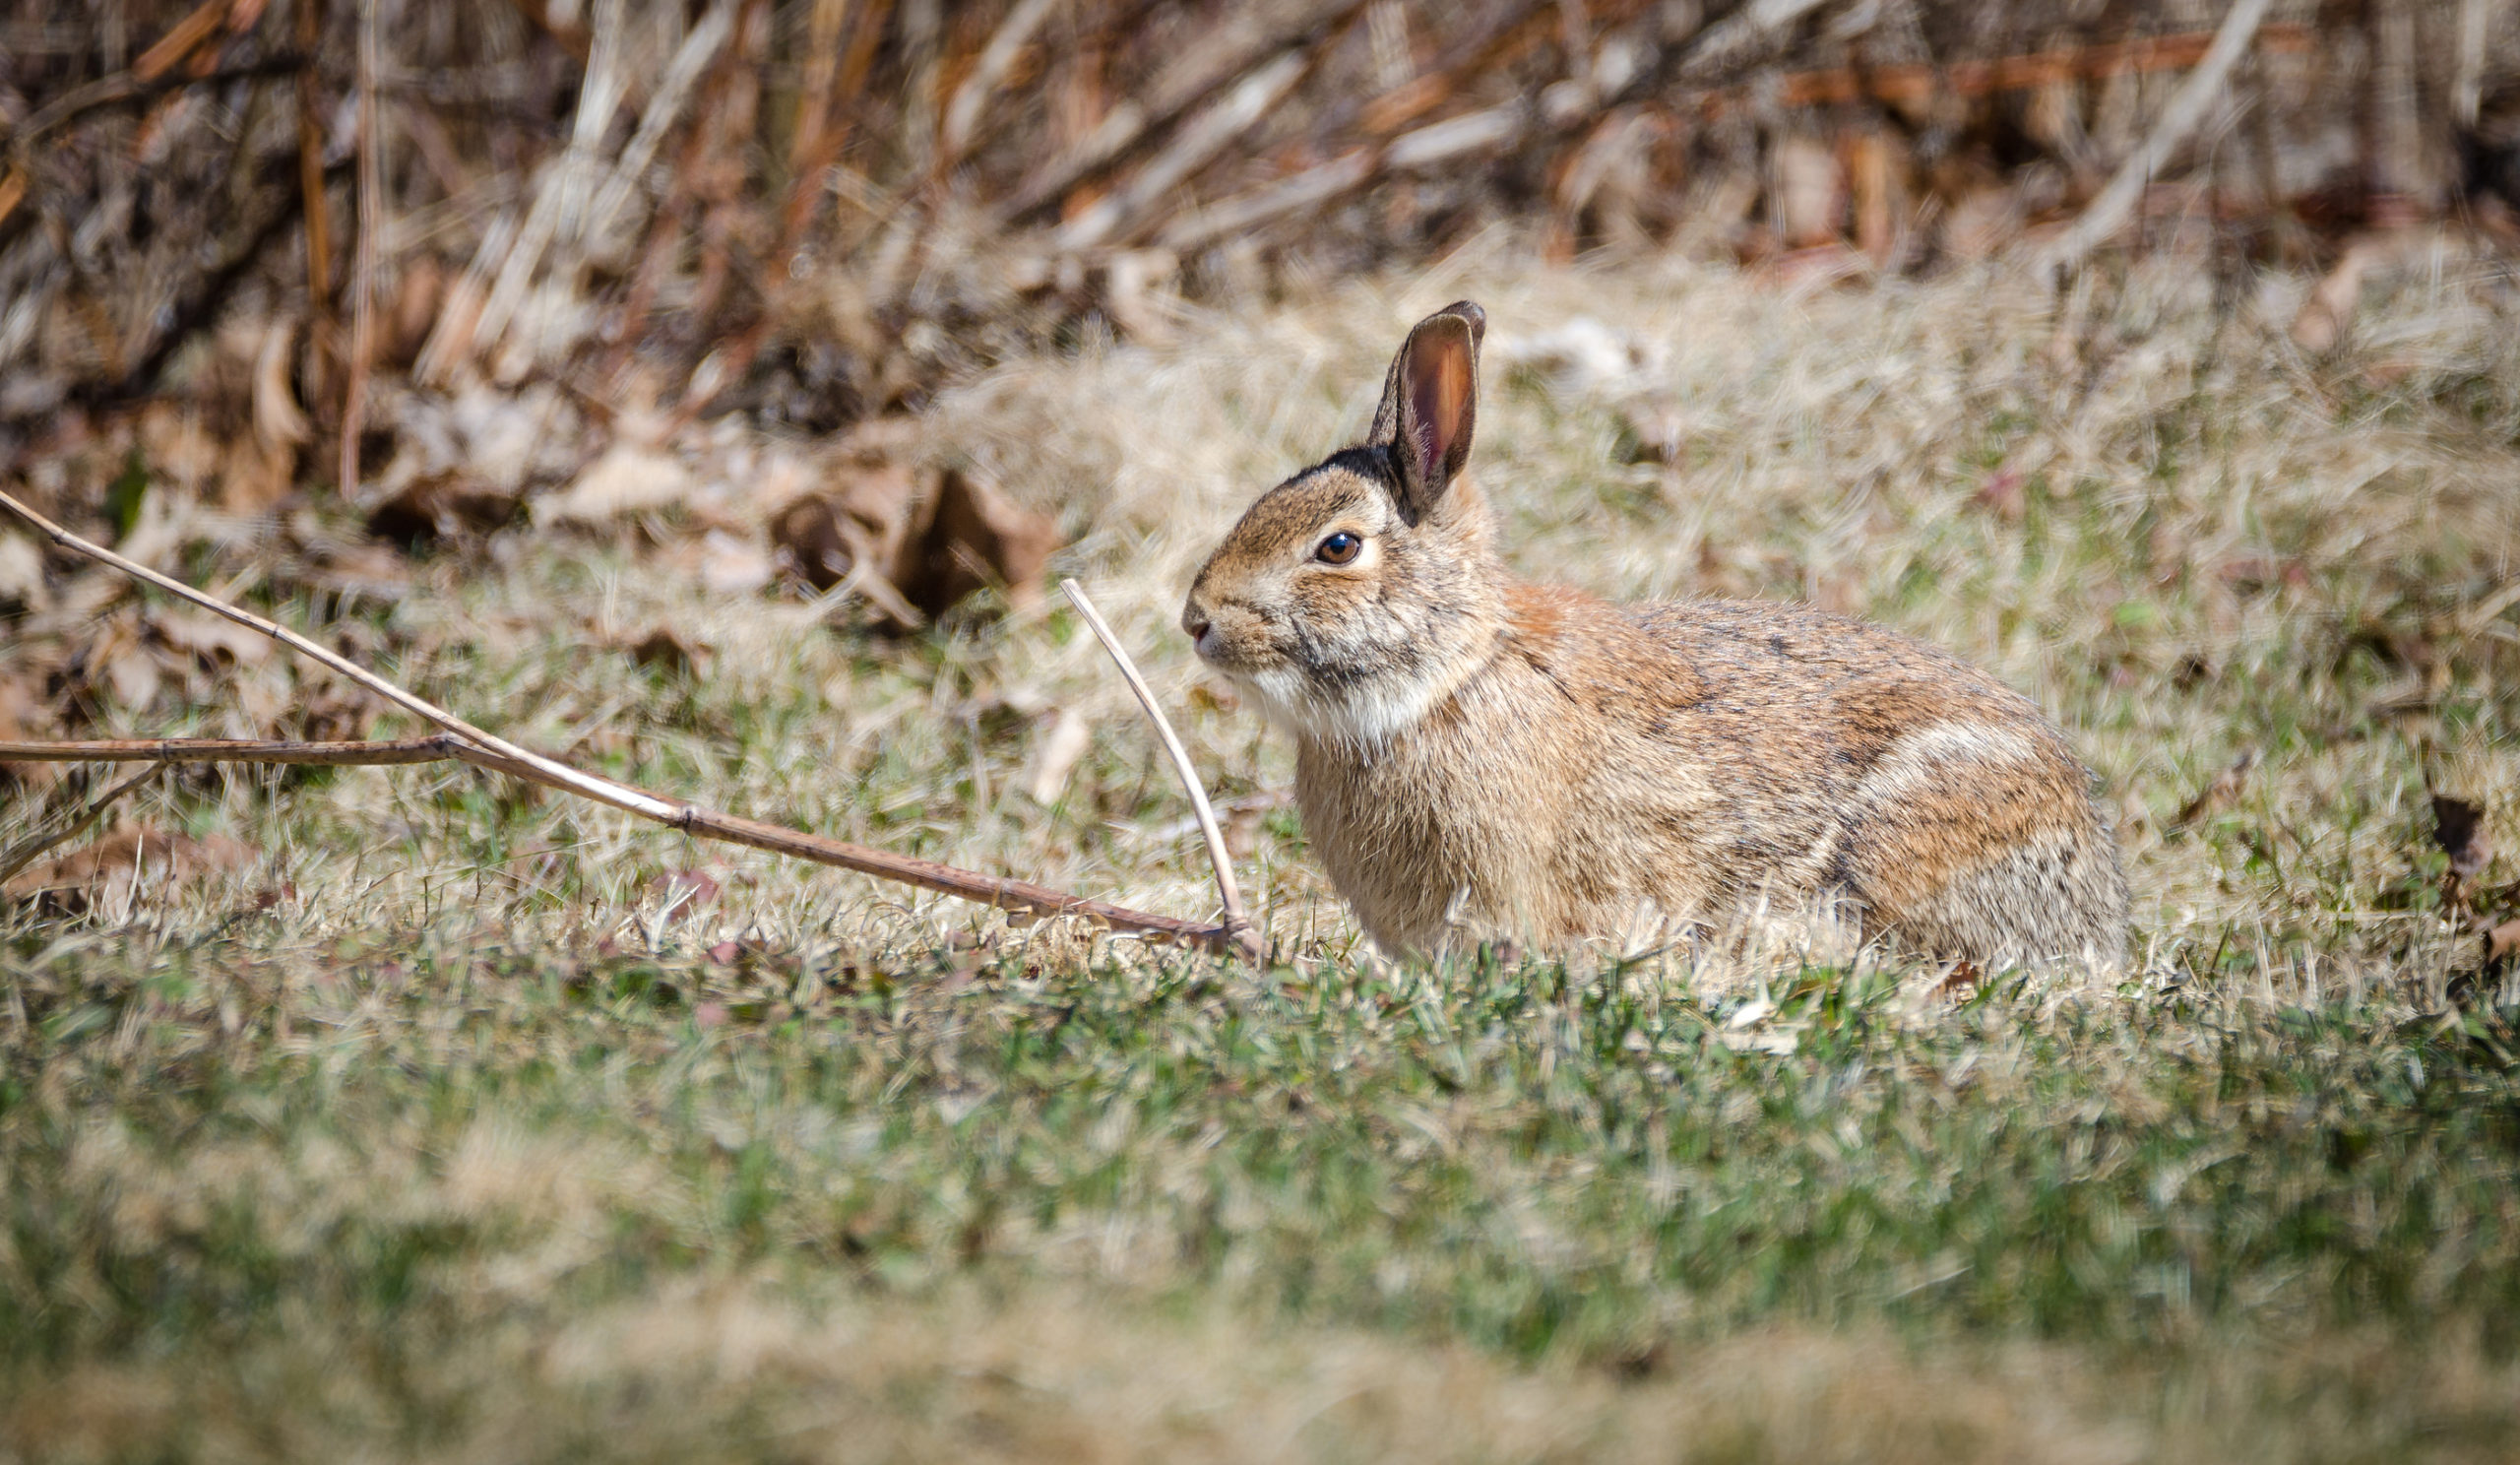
[(1482, 758)]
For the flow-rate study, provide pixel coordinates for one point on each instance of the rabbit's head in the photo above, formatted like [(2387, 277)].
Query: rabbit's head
[(1356, 595)]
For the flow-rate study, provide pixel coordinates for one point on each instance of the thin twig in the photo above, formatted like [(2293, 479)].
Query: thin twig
[(1201, 138), (2188, 107), (1014, 896), (434, 747), (585, 785), (1236, 923), (962, 113), (469, 745), (1740, 36), (34, 847), (180, 40), (1200, 73), (117, 90), (371, 204), (820, 134), (310, 193)]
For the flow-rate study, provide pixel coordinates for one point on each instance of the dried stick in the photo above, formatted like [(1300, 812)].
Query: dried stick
[(310, 189), (819, 135), (1472, 57), (1014, 896), (435, 747), (114, 91), (600, 790), (1201, 73), (1740, 36), (1236, 924), (178, 42), (822, 70), (469, 745), (2186, 108), (571, 37), (1245, 212), (1200, 139), (34, 847), (963, 112), (1918, 82), (371, 204), (690, 61)]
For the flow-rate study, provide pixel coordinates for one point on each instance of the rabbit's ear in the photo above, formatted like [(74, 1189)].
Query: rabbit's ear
[(1428, 403)]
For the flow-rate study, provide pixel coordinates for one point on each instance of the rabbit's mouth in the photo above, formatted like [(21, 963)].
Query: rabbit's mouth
[(1232, 638)]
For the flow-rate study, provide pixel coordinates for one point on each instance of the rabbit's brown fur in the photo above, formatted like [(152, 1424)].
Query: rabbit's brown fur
[(1476, 756)]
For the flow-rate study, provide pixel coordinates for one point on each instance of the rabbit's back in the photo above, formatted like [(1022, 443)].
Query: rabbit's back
[(1696, 758), (1959, 818)]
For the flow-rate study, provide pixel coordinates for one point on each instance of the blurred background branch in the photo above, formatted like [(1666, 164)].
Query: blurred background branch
[(816, 211)]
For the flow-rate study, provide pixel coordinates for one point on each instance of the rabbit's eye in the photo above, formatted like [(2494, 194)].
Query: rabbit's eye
[(1338, 548)]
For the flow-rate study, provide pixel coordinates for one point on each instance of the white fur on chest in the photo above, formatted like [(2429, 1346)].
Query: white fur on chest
[(1361, 722)]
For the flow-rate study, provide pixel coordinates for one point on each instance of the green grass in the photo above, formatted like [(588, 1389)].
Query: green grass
[(460, 1146), (226, 1171)]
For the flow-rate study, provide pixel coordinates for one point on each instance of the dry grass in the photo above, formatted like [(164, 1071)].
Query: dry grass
[(737, 1370), (470, 1149)]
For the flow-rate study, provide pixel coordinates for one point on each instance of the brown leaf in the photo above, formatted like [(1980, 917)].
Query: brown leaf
[(2003, 495), (2503, 944), (2329, 311), (684, 892), (255, 475), (21, 573), (1657, 433), (362, 572), (24, 718), (1241, 829), (440, 506), (329, 712), (214, 641), (1980, 223), (133, 673), (269, 898), (2458, 827), (626, 480), (133, 856), (810, 540), (278, 421), (663, 650), (416, 310), (2218, 794), (729, 565), (1809, 191), (864, 512), (978, 538), (1070, 733), (177, 445)]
